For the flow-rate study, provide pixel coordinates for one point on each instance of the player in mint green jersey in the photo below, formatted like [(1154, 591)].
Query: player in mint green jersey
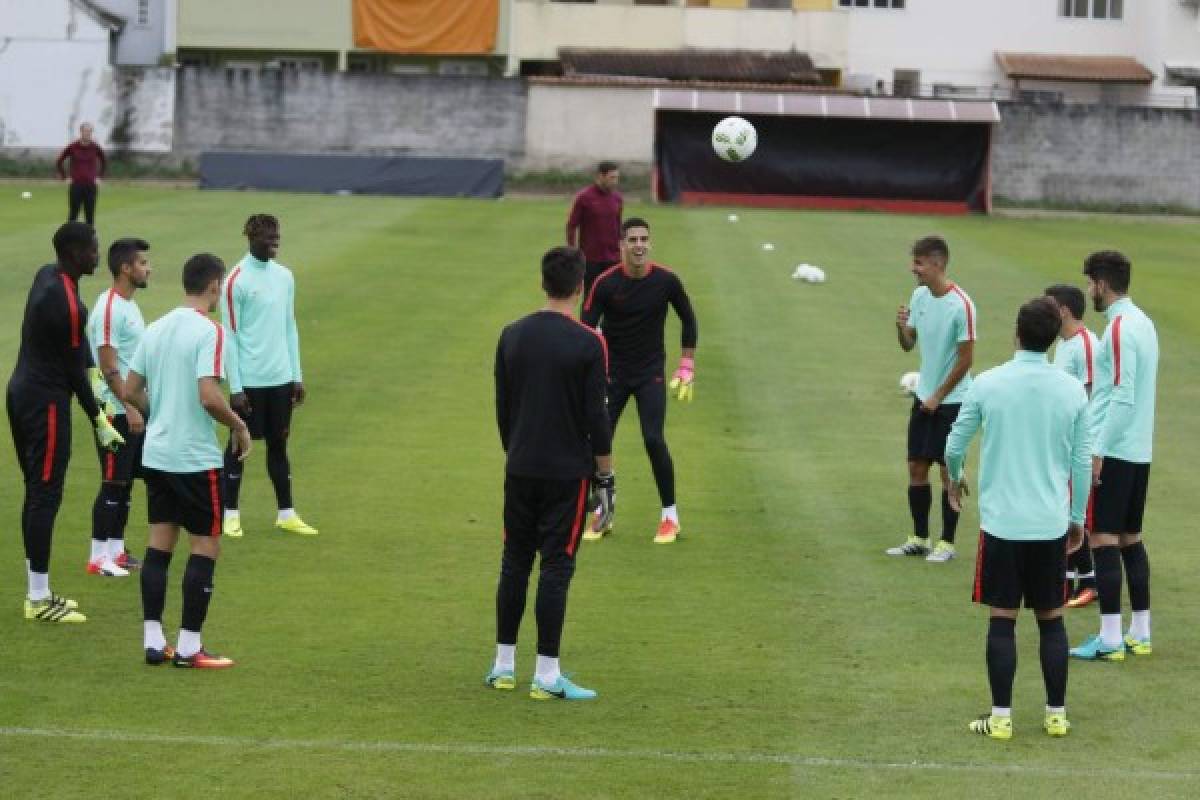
[(176, 373), (265, 381), (114, 330), (1122, 409), (939, 321), (1036, 443), (1076, 354)]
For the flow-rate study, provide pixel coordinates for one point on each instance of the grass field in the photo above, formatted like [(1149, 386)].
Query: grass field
[(774, 652)]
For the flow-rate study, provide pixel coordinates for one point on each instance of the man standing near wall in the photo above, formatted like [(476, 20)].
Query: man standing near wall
[(87, 168), (595, 221)]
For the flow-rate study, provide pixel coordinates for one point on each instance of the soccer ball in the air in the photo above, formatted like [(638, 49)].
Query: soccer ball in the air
[(734, 139), (908, 382)]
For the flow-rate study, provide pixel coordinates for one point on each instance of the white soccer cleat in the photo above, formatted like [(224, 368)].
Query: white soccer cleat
[(107, 567)]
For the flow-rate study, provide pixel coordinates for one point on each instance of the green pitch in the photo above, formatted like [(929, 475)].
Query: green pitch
[(773, 652)]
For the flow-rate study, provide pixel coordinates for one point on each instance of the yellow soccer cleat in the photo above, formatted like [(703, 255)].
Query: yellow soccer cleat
[(992, 726), (295, 525), (54, 609), (1056, 724), (668, 532), (1139, 647), (232, 526), (502, 679)]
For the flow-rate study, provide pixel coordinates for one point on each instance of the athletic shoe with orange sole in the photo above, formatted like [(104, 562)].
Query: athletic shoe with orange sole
[(154, 656), (1084, 597), (202, 660), (668, 532)]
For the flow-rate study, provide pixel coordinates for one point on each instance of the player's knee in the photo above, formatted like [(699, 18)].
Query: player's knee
[(557, 572), (277, 445), (918, 472), (208, 546)]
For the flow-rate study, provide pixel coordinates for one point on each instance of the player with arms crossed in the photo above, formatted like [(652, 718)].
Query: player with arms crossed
[(939, 321), (550, 378), (630, 300), (51, 366), (1123, 436), (1036, 442), (1076, 354), (177, 370), (115, 329), (258, 309)]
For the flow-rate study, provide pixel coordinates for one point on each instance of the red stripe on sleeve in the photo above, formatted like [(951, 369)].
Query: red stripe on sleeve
[(1087, 352), (233, 276), (51, 442), (220, 349), (970, 315), (578, 526), (107, 338), (587, 306), (1116, 340), (72, 309)]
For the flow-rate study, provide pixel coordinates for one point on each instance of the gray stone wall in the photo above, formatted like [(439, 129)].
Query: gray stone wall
[(1097, 154), (218, 109)]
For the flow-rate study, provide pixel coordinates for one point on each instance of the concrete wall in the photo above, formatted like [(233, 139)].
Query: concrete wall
[(1097, 154), (337, 112), (572, 128)]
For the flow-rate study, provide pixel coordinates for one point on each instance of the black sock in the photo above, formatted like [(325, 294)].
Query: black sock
[(106, 512), (1053, 652), (949, 519), (1081, 562), (197, 591), (232, 476), (920, 499), (1108, 578), (280, 472), (1137, 573), (1002, 659), (154, 583)]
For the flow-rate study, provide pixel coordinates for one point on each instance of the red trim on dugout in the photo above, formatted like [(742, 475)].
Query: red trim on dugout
[(824, 203), (578, 526), (51, 442), (1116, 337), (106, 340), (72, 308), (977, 593), (233, 276), (214, 495)]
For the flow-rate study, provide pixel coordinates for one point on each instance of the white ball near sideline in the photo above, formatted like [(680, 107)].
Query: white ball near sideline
[(26, 195), (908, 382), (734, 139)]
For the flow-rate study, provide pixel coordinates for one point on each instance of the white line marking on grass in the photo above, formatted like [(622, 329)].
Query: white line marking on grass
[(697, 757)]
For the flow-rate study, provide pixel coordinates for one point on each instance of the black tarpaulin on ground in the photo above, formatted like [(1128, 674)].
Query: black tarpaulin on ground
[(394, 175), (895, 160)]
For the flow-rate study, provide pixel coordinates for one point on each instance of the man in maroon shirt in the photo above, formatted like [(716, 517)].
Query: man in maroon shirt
[(596, 221), (87, 167)]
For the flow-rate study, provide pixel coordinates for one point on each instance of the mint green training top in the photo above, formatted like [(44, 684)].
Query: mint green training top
[(258, 311), (177, 351), (1077, 356), (115, 322), (1123, 394), (1036, 445), (941, 323)]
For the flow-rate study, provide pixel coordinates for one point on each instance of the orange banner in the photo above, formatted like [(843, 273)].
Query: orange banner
[(439, 27)]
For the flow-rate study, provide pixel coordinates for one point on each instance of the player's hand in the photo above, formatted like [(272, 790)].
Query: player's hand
[(298, 393), (956, 492), (902, 317), (1074, 538), (603, 499), (683, 381), (239, 441), (136, 423), (930, 405), (108, 436), (1097, 466), (240, 404)]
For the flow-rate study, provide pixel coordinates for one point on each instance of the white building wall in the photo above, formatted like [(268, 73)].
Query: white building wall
[(566, 126)]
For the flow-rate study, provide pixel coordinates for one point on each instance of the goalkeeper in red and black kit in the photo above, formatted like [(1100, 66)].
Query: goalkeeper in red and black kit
[(51, 366), (550, 378)]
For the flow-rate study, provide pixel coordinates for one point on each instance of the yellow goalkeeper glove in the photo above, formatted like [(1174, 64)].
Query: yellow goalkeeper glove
[(683, 381), (108, 436)]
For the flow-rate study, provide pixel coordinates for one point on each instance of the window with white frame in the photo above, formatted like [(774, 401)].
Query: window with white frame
[(898, 4), (1091, 9)]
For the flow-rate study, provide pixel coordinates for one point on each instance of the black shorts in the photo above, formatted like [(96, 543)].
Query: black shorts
[(125, 463), (927, 433), (544, 516), (1008, 571), (1119, 502), (41, 430), (270, 411), (192, 500), (650, 392)]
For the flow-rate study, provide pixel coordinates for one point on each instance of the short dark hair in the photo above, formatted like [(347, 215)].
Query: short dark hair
[(123, 251), (1111, 267), (200, 271), (259, 223), (605, 167), (72, 237), (1038, 324), (1069, 297), (562, 271), (931, 246), (634, 222)]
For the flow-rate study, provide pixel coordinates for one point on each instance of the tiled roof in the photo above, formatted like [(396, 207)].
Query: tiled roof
[(720, 66), (1096, 69)]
